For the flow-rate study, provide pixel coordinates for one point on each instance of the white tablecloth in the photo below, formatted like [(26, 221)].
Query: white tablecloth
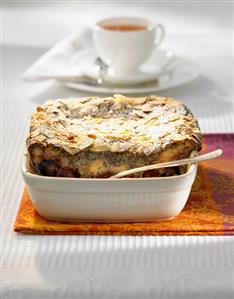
[(112, 266)]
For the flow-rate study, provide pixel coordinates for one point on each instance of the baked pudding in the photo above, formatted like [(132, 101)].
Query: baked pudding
[(95, 137)]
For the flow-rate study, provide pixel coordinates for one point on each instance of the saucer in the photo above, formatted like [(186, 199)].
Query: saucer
[(182, 73), (159, 63)]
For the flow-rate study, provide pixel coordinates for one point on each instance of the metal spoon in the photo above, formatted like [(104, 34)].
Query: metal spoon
[(208, 156), (102, 68)]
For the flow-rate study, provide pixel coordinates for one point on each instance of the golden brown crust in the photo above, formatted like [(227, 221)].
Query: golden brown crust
[(118, 124), (98, 137)]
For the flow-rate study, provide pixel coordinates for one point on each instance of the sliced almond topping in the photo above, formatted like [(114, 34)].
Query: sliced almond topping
[(39, 109), (40, 138), (85, 143), (117, 137), (102, 147), (92, 135), (115, 123)]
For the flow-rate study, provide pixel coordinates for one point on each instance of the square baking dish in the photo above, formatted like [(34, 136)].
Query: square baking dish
[(109, 200)]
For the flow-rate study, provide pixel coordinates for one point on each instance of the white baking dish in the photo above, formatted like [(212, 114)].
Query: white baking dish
[(128, 199)]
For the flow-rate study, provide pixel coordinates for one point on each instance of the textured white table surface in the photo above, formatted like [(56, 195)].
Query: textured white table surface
[(112, 266)]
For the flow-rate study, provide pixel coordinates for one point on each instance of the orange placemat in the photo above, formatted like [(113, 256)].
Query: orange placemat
[(209, 210)]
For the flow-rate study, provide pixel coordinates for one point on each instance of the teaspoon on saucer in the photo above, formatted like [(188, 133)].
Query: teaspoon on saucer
[(105, 74), (102, 68)]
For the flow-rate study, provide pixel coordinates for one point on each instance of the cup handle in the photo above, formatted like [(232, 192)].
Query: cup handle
[(161, 31)]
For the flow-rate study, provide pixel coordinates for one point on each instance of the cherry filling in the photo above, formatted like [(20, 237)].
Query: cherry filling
[(51, 168), (67, 172), (48, 168)]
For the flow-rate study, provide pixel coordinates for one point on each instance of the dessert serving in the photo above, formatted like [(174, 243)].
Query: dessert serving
[(95, 137)]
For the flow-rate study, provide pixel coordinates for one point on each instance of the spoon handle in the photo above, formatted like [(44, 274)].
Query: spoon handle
[(207, 156)]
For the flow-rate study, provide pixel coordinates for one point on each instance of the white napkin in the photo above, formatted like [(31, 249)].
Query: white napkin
[(58, 61)]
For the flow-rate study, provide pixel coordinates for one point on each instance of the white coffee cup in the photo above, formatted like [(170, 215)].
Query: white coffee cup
[(124, 50)]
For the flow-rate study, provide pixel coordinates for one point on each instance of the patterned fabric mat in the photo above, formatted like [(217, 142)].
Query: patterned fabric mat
[(209, 209)]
